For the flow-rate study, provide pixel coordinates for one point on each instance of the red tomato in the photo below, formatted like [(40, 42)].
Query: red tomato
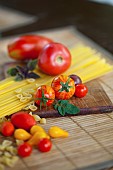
[(44, 95), (54, 59), (23, 120), (7, 128), (44, 145), (24, 150), (27, 47), (63, 86), (80, 90)]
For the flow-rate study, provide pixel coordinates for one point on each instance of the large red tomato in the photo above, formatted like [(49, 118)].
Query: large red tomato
[(27, 47), (63, 86), (54, 59)]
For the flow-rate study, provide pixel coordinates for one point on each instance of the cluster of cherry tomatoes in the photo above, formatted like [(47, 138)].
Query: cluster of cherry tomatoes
[(20, 126), (23, 127), (62, 88)]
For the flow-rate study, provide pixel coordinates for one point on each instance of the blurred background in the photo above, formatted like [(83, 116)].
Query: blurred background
[(93, 18)]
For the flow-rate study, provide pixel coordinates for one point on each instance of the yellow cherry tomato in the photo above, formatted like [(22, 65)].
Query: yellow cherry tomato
[(36, 128), (57, 132), (37, 137), (22, 134)]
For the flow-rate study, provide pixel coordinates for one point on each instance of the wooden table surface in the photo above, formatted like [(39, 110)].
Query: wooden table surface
[(93, 138)]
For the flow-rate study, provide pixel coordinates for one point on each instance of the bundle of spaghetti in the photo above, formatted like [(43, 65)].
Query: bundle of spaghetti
[(86, 63)]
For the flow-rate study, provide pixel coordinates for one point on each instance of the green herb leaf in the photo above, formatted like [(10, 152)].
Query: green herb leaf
[(24, 72), (32, 64), (33, 75), (72, 109), (12, 71), (64, 107), (19, 77), (60, 110)]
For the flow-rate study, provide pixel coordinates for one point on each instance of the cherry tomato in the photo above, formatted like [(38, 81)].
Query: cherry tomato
[(24, 149), (27, 47), (7, 128), (54, 59), (81, 90), (63, 86), (44, 145), (44, 95)]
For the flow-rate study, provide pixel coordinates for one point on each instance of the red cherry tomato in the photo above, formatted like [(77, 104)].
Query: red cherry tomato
[(54, 59), (7, 128), (24, 149), (63, 86), (27, 47), (44, 95), (80, 90), (44, 145)]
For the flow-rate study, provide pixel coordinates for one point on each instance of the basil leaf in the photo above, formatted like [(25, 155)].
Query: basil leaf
[(12, 71), (72, 109), (25, 71), (63, 111), (64, 107), (33, 75), (19, 77), (22, 70), (32, 64), (60, 110)]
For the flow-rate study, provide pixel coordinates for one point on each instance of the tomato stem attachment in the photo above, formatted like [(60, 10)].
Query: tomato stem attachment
[(43, 100), (59, 59), (65, 86)]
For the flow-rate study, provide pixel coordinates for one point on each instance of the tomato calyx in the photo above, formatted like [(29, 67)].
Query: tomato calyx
[(65, 86), (43, 99)]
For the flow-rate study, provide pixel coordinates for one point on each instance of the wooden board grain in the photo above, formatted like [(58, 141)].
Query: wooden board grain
[(90, 142)]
